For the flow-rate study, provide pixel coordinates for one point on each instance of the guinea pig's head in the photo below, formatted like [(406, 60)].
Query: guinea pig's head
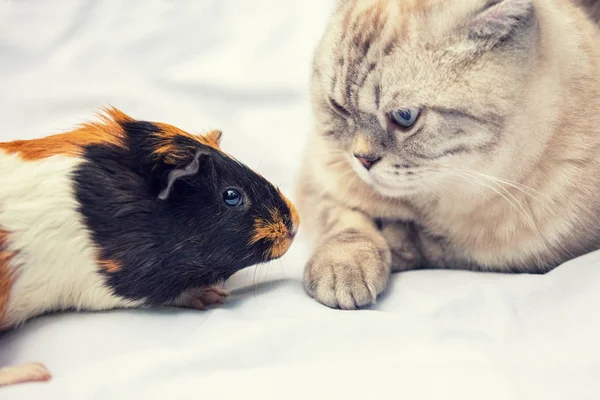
[(231, 216)]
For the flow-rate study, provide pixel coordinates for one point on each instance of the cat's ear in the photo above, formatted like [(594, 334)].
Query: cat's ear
[(498, 20), (191, 169)]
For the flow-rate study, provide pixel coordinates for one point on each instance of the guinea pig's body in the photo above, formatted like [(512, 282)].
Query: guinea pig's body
[(126, 213)]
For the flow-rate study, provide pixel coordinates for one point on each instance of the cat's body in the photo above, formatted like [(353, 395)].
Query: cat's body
[(450, 134)]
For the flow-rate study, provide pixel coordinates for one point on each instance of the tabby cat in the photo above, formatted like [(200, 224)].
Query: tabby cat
[(450, 134)]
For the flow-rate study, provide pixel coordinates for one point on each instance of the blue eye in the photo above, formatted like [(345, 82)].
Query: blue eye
[(406, 117), (233, 198)]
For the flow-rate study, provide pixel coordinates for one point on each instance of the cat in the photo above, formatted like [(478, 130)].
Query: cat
[(457, 134)]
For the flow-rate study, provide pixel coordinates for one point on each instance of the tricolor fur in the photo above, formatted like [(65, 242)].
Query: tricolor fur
[(82, 225)]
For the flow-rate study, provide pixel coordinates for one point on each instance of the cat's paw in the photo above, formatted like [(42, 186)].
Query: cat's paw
[(404, 245), (34, 372), (349, 271), (201, 299)]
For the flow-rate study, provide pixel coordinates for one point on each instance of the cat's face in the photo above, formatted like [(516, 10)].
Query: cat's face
[(417, 91)]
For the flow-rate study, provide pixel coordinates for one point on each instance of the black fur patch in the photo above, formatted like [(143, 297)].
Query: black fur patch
[(192, 239)]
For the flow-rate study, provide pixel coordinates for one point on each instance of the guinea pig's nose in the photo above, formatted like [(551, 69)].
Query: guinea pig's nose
[(367, 160)]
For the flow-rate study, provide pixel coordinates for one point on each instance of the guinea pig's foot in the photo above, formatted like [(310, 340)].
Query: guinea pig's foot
[(201, 299), (212, 296), (34, 372)]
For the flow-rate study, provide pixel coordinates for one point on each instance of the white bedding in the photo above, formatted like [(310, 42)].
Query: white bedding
[(243, 66)]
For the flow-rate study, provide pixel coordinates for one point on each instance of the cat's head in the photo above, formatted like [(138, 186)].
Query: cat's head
[(407, 90)]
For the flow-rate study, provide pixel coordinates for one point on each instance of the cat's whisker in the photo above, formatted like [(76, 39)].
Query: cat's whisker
[(516, 185), (545, 199), (462, 178), (512, 200), (449, 177), (425, 179), (541, 235), (528, 217), (336, 163), (480, 189), (439, 184), (423, 185), (326, 152)]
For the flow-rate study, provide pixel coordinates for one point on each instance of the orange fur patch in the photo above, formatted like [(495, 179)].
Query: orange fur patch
[(110, 266), (293, 212), (173, 153), (6, 274), (71, 143), (274, 231), (214, 138), (108, 131)]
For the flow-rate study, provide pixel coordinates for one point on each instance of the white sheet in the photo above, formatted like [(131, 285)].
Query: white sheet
[(243, 66)]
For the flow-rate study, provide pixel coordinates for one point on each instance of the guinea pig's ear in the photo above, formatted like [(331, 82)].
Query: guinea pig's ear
[(214, 138), (190, 169)]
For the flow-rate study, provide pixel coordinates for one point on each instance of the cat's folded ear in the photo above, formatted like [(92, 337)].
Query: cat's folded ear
[(190, 169), (498, 20)]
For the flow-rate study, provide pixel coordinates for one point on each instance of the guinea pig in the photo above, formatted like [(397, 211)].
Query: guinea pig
[(122, 213)]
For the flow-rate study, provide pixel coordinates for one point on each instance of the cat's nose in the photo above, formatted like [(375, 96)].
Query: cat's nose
[(367, 160)]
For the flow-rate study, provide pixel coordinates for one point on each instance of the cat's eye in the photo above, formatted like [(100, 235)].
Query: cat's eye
[(338, 108), (233, 198), (406, 117)]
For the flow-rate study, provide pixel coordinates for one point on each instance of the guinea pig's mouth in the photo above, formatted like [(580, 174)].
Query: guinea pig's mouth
[(278, 235), (281, 246)]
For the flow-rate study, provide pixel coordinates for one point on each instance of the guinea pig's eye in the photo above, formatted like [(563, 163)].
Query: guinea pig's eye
[(406, 117), (232, 198)]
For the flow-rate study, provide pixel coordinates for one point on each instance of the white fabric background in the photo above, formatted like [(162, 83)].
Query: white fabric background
[(243, 66)]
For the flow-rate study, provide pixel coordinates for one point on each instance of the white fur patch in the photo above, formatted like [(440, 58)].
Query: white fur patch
[(55, 261)]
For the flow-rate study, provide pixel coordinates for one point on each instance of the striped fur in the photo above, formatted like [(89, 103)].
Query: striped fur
[(507, 135), (122, 213)]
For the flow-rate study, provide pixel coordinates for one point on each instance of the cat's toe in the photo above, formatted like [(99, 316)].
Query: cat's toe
[(347, 275)]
